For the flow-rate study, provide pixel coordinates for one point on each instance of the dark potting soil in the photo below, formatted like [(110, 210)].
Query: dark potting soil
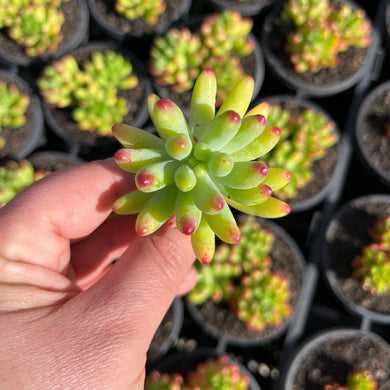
[(345, 238), (350, 61), (222, 320), (137, 26), (333, 359), (372, 128), (16, 138), (52, 161), (72, 17), (62, 118)]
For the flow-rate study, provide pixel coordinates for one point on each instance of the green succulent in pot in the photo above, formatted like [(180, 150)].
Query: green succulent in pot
[(356, 380), (241, 276), (15, 176), (13, 107), (149, 11), (34, 24), (214, 373), (321, 31), (92, 92), (197, 169), (222, 39), (372, 266), (306, 137)]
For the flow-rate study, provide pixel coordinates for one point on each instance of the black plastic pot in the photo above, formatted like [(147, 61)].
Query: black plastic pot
[(75, 30), (119, 28), (20, 142), (89, 143), (168, 331), (184, 362), (372, 145), (326, 82), (324, 170), (330, 355), (246, 8), (344, 238), (225, 327)]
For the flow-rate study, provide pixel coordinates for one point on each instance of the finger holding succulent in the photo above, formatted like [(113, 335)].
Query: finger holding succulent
[(196, 169)]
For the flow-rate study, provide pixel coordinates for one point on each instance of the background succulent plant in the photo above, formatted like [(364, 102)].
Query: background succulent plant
[(177, 58), (198, 168), (92, 92), (148, 10), (214, 373), (356, 380), (322, 31), (372, 266), (34, 24), (306, 137), (13, 107), (15, 176)]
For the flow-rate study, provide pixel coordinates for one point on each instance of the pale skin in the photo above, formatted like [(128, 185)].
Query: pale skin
[(68, 320)]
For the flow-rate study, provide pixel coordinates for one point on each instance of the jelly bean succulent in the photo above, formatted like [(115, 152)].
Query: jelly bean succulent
[(91, 92), (15, 176), (241, 276), (13, 107), (222, 39), (372, 266), (34, 24), (214, 373), (356, 380), (322, 31), (197, 169), (149, 10), (306, 137)]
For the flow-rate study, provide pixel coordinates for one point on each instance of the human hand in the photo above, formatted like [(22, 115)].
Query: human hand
[(66, 322)]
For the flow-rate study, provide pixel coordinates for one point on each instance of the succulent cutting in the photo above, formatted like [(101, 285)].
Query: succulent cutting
[(356, 380), (149, 11), (195, 170)]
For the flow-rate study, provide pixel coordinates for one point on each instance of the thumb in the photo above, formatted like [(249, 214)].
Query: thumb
[(138, 290)]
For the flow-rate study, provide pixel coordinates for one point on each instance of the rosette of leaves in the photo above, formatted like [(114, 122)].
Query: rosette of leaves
[(372, 266), (34, 24), (197, 169), (356, 380), (215, 373), (15, 176), (322, 31), (13, 107), (222, 39), (91, 92), (306, 137), (147, 10)]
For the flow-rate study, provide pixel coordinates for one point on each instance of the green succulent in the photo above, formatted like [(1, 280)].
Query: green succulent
[(148, 10), (14, 177), (372, 266), (162, 381), (356, 380), (197, 169), (306, 138), (13, 107), (321, 32), (92, 92), (217, 374), (177, 58), (34, 24)]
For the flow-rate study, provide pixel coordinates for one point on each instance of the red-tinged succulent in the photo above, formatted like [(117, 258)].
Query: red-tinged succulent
[(149, 11), (197, 169), (162, 381), (356, 380), (372, 266)]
